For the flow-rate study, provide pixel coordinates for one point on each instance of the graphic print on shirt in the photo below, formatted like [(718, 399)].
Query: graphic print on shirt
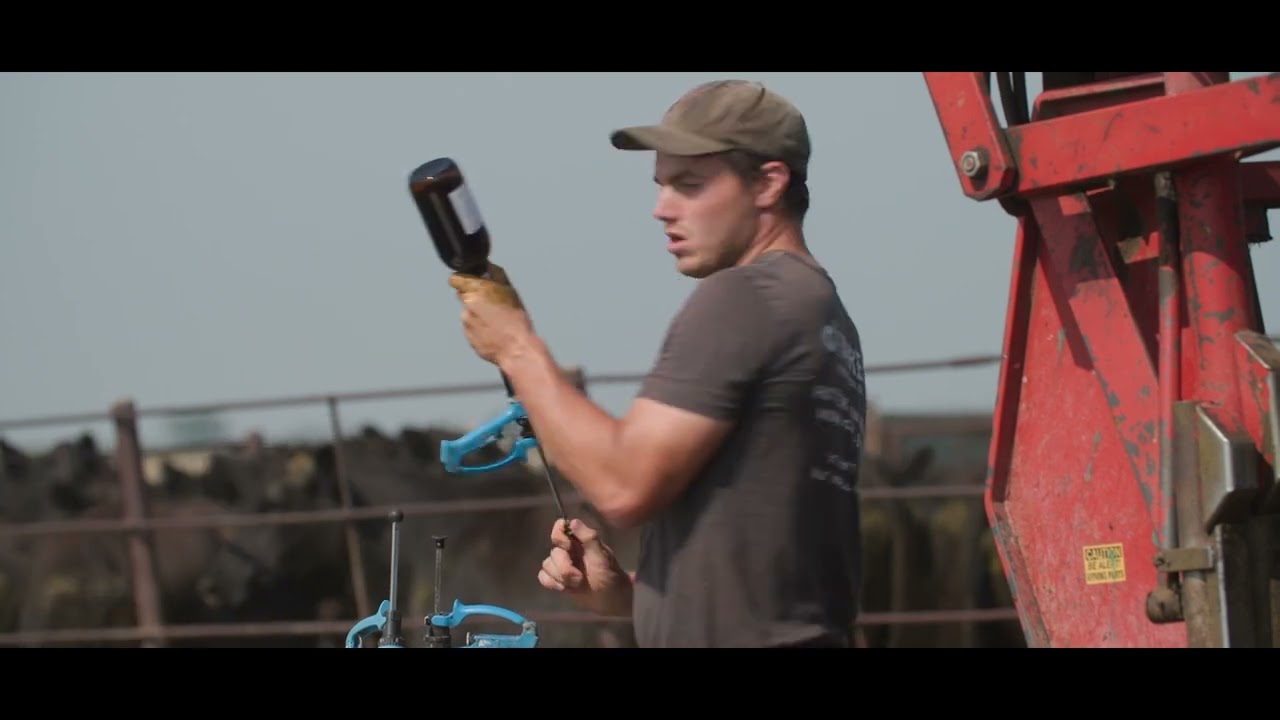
[(839, 402)]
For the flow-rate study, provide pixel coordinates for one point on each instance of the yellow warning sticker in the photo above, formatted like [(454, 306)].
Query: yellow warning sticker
[(1103, 564)]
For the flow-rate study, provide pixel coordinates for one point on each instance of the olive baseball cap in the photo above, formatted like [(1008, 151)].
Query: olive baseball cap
[(726, 115)]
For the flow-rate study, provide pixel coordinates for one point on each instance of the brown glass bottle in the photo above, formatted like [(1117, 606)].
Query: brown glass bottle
[(451, 215)]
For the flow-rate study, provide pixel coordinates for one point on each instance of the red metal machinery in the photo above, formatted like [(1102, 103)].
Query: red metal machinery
[(1132, 480)]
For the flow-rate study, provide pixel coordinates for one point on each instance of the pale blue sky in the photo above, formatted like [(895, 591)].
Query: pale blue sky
[(187, 238)]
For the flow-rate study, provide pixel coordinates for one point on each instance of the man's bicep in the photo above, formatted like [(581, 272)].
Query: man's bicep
[(667, 446), (715, 349)]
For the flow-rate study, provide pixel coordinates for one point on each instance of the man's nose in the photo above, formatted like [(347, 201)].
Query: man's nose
[(664, 208)]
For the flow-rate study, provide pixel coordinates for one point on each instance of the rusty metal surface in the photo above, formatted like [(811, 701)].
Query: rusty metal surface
[(1074, 461), (1158, 133), (1104, 335), (1259, 361), (1228, 485), (1169, 352), (1098, 131), (1199, 603), (962, 103), (1218, 283), (1128, 296), (1094, 96)]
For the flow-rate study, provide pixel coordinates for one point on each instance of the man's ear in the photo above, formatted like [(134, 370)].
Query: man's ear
[(771, 183)]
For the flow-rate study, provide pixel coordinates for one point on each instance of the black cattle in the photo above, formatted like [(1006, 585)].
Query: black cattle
[(203, 574)]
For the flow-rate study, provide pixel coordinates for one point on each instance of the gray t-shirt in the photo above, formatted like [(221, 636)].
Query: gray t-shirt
[(764, 548)]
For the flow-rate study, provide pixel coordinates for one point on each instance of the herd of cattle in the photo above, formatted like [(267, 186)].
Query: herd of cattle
[(921, 555)]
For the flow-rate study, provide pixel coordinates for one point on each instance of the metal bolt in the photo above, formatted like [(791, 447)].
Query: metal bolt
[(973, 163)]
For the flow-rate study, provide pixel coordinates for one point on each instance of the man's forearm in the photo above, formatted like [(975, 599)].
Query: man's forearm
[(582, 440)]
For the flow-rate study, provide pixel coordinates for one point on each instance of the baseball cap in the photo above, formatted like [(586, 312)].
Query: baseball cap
[(726, 115)]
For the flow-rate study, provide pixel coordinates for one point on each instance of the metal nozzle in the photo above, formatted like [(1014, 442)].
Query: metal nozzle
[(396, 517), (391, 632), (439, 540)]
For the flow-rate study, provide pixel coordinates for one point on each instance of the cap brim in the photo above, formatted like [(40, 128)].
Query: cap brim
[(665, 139)]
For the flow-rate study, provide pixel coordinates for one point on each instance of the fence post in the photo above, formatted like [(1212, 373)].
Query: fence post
[(355, 555), (146, 595)]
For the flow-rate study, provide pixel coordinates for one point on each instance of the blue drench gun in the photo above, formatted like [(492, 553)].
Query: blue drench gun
[(439, 625), (452, 451), (462, 241)]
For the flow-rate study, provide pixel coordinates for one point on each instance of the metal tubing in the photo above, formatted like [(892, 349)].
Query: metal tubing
[(1214, 256), (1198, 606), (1170, 347)]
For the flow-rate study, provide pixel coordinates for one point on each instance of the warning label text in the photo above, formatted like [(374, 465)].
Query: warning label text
[(1103, 564)]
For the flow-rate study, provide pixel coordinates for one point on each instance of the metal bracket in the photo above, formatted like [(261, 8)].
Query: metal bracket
[(1185, 559)]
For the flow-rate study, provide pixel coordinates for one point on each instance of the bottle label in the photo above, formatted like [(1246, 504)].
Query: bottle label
[(465, 206)]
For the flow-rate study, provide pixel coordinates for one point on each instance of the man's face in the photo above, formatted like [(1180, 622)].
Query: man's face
[(707, 213)]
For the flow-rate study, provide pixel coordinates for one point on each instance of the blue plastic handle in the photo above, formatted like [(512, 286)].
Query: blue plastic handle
[(528, 637), (376, 622), (461, 612), (452, 451)]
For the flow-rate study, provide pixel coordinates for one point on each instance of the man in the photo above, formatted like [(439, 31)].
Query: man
[(739, 458)]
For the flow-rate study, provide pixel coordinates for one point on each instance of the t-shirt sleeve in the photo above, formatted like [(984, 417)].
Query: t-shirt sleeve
[(715, 348)]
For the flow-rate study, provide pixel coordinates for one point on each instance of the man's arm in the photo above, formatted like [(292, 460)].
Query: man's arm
[(630, 467)]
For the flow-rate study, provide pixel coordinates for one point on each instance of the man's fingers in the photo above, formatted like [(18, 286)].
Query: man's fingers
[(563, 569), (463, 282), (558, 538), (560, 569), (563, 564), (548, 582), (582, 533), (471, 288), (549, 567), (466, 281), (586, 535)]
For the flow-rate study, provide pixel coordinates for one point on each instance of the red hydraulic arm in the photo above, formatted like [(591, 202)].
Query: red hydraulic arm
[(1132, 480)]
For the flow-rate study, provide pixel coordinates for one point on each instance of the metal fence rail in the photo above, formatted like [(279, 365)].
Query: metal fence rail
[(420, 391), (137, 526)]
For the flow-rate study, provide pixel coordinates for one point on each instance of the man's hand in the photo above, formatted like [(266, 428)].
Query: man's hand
[(493, 316), (583, 567)]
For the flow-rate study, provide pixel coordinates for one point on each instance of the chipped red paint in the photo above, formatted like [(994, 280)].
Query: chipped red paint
[(969, 124), (1258, 364), (1075, 471), (1062, 478), (1088, 147)]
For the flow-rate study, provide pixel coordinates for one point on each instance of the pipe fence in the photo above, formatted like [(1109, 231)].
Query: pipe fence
[(151, 630)]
